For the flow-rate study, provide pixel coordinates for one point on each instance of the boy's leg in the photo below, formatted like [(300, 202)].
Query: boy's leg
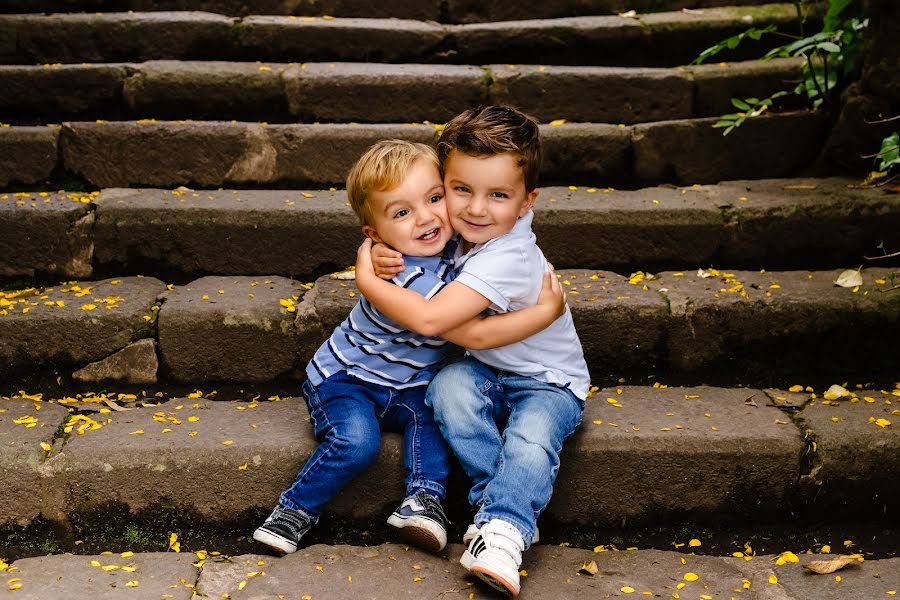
[(420, 517), (465, 409)]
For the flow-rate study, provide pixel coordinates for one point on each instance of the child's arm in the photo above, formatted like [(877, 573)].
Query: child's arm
[(454, 305), (387, 261), (509, 328)]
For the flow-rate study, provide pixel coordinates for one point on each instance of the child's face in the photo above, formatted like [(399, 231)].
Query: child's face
[(486, 195), (412, 217)]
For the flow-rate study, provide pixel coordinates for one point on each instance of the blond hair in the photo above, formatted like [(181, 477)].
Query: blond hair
[(381, 168)]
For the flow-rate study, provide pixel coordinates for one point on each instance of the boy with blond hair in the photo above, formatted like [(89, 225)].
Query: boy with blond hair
[(505, 411), (372, 373)]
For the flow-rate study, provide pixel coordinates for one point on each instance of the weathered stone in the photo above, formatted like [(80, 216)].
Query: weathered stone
[(61, 91), (201, 473), (266, 232), (716, 84), (795, 321), (857, 444), (158, 575), (869, 579), (804, 223), (27, 154), (369, 40), (627, 230), (61, 328), (585, 151), (593, 94), (668, 433), (567, 41), (110, 37), (213, 90), (692, 151), (46, 233), (323, 308), (383, 92), (135, 363), (204, 326), (21, 456)]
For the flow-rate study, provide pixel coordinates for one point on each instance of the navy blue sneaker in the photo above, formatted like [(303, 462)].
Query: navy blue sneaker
[(283, 529), (421, 521)]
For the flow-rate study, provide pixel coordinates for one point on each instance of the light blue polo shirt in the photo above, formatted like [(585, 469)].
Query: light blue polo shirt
[(508, 271)]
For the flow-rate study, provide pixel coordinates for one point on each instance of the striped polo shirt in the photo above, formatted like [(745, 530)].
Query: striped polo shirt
[(371, 347)]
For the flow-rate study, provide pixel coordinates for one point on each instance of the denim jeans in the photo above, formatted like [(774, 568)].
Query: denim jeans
[(507, 430), (348, 415)]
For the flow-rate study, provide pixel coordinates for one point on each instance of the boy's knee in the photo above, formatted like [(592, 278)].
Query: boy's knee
[(359, 440)]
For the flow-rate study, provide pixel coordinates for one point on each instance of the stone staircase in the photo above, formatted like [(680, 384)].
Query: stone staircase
[(171, 207)]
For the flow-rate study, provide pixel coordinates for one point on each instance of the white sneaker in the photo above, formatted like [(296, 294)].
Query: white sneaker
[(472, 531), (495, 555)]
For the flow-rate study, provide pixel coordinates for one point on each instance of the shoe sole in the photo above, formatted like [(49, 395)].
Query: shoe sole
[(275, 542), (424, 535), (495, 581)]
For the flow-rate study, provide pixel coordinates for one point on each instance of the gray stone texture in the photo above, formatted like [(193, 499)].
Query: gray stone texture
[(231, 232), (383, 92), (158, 575), (755, 459), (136, 363), (242, 456), (593, 94), (50, 334), (27, 154), (868, 579), (207, 90), (798, 320), (57, 91), (854, 461), (111, 37), (229, 329), (21, 456), (323, 308), (314, 38), (45, 233), (621, 326), (804, 223), (716, 84), (592, 151)]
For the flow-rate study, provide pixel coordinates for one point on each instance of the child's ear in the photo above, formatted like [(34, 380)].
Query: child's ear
[(529, 202), (370, 233)]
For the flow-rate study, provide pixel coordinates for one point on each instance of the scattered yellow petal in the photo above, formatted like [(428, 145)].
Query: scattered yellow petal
[(691, 577), (627, 589), (772, 579), (694, 543), (132, 583)]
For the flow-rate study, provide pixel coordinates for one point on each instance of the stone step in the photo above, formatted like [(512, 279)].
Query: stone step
[(218, 154), (379, 93), (655, 39), (774, 224), (391, 571), (451, 11), (738, 325), (706, 454)]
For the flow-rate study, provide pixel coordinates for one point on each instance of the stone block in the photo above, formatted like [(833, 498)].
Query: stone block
[(175, 89), (349, 39), (266, 232), (135, 363), (716, 84), (205, 325), (61, 91), (585, 151), (593, 94), (242, 457), (383, 92), (74, 323), (692, 151), (323, 308), (27, 154), (678, 436), (21, 456), (46, 233)]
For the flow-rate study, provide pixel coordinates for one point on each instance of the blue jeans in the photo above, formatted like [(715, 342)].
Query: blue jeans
[(348, 415), (507, 430)]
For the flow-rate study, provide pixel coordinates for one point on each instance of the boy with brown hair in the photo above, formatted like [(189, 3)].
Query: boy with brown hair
[(372, 373), (504, 411)]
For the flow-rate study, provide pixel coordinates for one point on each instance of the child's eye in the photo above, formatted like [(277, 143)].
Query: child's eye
[(436, 198), (499, 195), (401, 213), (462, 189)]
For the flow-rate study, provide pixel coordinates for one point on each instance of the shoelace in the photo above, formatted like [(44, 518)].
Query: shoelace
[(295, 524)]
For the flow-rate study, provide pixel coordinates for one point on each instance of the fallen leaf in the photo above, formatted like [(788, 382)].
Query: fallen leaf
[(589, 568), (631, 14), (836, 392), (849, 278), (823, 567)]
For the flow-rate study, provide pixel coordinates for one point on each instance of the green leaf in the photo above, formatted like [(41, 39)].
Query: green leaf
[(833, 16), (889, 155), (828, 47), (752, 100), (738, 103)]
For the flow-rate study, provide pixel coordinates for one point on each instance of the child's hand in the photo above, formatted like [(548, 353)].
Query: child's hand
[(387, 261), (552, 295), (364, 265)]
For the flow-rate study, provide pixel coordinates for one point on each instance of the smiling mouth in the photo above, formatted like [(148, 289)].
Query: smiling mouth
[(476, 225), (430, 235)]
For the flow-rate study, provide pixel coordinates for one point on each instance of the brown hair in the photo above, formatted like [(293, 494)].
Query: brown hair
[(381, 168), (489, 130)]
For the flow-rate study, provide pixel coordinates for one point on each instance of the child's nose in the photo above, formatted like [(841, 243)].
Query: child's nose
[(477, 205)]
